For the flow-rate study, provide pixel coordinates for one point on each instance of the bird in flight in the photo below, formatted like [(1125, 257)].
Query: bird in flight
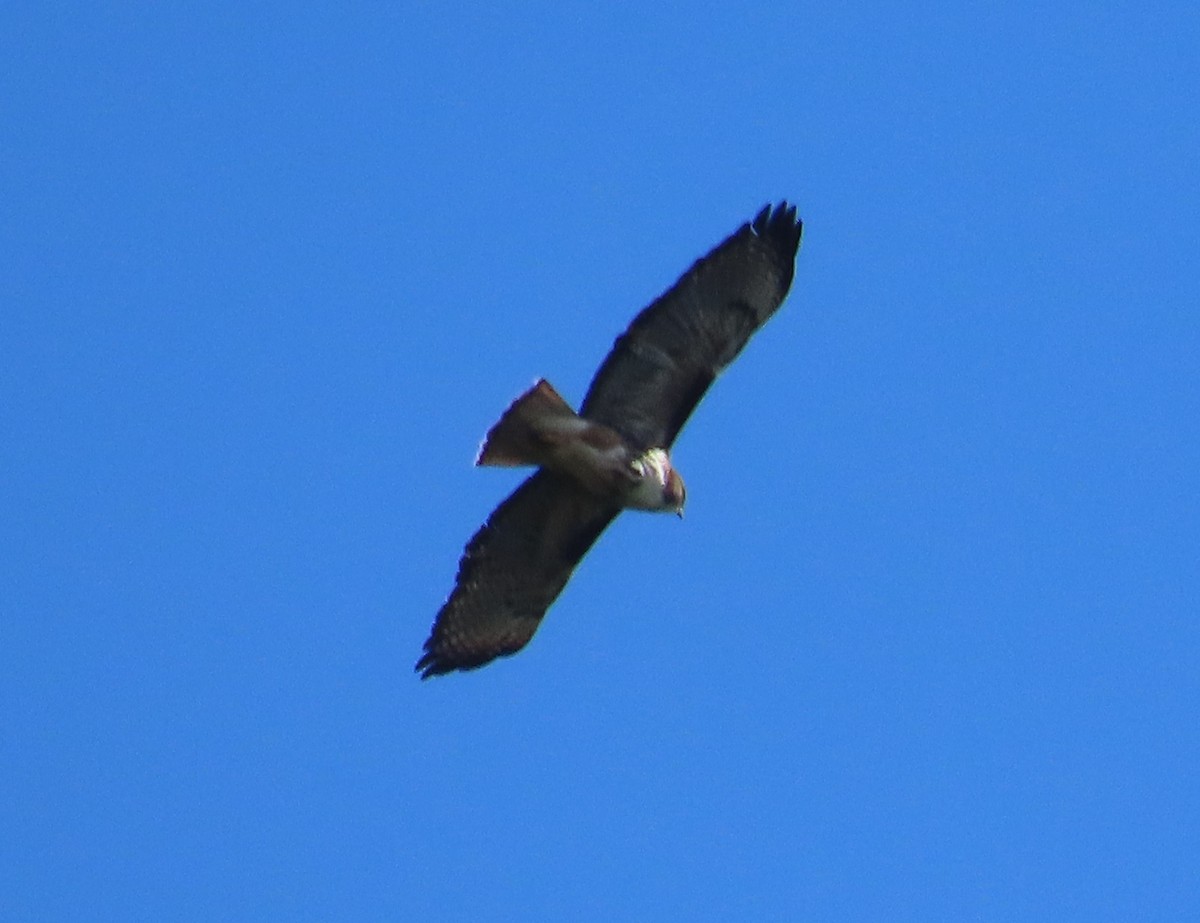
[(613, 454)]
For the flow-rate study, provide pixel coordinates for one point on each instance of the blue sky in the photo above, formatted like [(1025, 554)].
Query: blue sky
[(925, 647)]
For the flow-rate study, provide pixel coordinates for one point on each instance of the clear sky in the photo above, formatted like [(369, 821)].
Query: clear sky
[(926, 645)]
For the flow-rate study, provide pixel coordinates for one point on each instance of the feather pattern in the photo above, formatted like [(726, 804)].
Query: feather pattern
[(512, 570)]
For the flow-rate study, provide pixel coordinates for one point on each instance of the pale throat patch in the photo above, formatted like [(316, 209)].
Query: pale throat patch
[(653, 462)]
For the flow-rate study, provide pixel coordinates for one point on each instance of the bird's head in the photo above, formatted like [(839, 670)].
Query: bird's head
[(674, 493), (657, 485)]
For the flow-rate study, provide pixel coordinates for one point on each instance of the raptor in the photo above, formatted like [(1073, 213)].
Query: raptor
[(614, 454)]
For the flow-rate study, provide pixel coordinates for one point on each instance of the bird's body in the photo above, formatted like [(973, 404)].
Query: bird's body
[(541, 429), (614, 453)]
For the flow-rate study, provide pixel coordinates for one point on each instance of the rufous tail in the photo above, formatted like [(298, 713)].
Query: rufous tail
[(529, 429)]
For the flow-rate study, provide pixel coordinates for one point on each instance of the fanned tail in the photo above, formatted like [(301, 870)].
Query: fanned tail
[(529, 429)]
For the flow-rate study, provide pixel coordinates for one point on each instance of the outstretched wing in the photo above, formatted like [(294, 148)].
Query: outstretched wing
[(661, 366), (512, 570)]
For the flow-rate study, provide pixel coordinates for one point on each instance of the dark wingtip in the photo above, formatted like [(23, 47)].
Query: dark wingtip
[(433, 662), (436, 662), (775, 219), (425, 666), (779, 225)]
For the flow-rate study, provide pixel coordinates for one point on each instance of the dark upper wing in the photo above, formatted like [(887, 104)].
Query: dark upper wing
[(512, 570), (661, 366)]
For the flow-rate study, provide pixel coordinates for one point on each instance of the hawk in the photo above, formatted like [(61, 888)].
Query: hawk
[(613, 454)]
